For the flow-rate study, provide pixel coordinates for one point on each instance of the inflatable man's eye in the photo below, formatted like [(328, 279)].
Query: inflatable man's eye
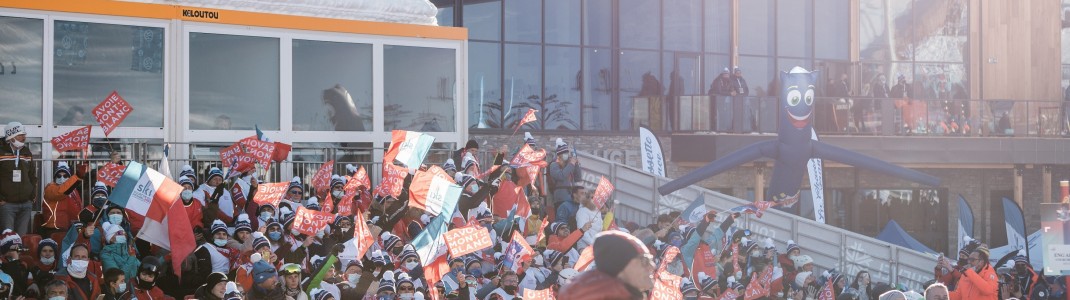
[(809, 97), (794, 97)]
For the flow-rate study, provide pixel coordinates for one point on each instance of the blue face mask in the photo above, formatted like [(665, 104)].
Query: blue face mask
[(476, 273), (265, 215), (120, 239), (386, 297), (275, 235), (115, 219)]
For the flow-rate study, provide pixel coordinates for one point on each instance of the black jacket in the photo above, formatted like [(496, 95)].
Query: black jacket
[(17, 192)]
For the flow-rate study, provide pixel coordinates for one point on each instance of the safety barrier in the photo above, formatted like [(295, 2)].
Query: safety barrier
[(830, 247)]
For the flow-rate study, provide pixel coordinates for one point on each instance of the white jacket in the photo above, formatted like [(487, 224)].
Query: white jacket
[(584, 215)]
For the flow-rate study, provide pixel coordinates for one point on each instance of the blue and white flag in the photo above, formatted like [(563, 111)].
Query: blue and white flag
[(965, 221), (694, 212), (1015, 220)]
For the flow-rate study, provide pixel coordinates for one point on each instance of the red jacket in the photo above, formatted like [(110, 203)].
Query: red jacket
[(154, 294), (974, 286), (76, 293), (597, 285), (194, 213), (562, 245), (59, 207)]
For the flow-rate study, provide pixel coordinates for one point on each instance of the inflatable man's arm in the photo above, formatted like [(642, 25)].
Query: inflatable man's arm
[(830, 152), (732, 160)]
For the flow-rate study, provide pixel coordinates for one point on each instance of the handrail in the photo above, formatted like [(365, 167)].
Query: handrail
[(831, 247)]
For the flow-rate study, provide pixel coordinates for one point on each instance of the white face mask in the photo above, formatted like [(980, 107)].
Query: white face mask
[(78, 268), (57, 298), (338, 194), (405, 296), (17, 144), (61, 180), (122, 288), (48, 261), (353, 278), (411, 265), (186, 195)]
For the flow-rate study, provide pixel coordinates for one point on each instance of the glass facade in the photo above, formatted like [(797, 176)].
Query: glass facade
[(332, 86), (614, 65), (233, 82), (21, 65), (419, 88), (91, 60)]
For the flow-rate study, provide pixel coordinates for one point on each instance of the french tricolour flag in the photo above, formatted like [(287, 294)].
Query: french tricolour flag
[(149, 193), (408, 147)]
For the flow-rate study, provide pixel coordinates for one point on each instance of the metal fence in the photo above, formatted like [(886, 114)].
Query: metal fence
[(831, 247)]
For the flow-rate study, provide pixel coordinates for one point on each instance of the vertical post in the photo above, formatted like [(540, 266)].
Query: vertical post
[(1018, 169), (1046, 183), (759, 181)]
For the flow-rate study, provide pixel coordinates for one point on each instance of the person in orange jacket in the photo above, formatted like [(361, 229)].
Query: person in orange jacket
[(1031, 285), (979, 280), (562, 239), (63, 201)]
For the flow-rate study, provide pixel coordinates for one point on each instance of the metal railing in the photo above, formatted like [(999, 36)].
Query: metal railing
[(830, 247), (858, 116)]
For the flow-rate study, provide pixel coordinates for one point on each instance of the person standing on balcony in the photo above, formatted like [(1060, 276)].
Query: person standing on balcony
[(721, 87), (18, 180), (903, 94), (740, 89), (565, 174)]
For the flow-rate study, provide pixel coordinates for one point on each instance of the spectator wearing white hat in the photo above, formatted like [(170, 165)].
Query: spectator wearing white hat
[(18, 180)]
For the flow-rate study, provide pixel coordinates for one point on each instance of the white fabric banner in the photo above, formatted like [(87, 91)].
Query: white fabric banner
[(653, 159)]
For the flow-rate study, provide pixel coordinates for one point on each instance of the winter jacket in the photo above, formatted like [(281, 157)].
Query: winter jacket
[(597, 285), (582, 217), (118, 256), (563, 178), (562, 245), (739, 85), (153, 294), (721, 86), (75, 292), (976, 286), (62, 204), (26, 189)]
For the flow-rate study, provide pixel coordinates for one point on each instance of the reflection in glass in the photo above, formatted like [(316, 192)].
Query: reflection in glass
[(639, 23), (233, 82), (940, 30), (795, 23), (638, 78), (1064, 32), (20, 70), (718, 25), (878, 40), (419, 85), (832, 28), (714, 65), (561, 96), (484, 85), (683, 25), (940, 81), (597, 89), (332, 86), (445, 12), (597, 22), (483, 19), (756, 16), (563, 22), (522, 82), (92, 60), (523, 20), (759, 73)]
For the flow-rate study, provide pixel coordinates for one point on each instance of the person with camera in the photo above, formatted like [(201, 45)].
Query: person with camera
[(11, 246), (978, 279)]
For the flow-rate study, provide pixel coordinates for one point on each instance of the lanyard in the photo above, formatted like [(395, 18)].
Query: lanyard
[(17, 157)]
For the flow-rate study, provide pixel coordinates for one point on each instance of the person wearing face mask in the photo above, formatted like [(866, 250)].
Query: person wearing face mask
[(43, 269), (242, 240), (84, 232), (564, 175), (1029, 283), (56, 290), (264, 213), (337, 194), (354, 280), (62, 200), (145, 286), (213, 256), (535, 274), (10, 247), (387, 290), (194, 207), (404, 286), (688, 289), (295, 193), (557, 263), (507, 288), (214, 287), (118, 252), (115, 286), (18, 176), (341, 231), (261, 250), (410, 263), (83, 284)]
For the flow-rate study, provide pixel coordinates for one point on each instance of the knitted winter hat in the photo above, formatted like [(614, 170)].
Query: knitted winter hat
[(186, 181), (243, 223), (187, 171), (1020, 258), (111, 230), (800, 279), (389, 240), (468, 161), (792, 246), (562, 147), (687, 286), (10, 241), (337, 181), (14, 129), (387, 283), (232, 292), (403, 278), (215, 278), (296, 183), (351, 169), (614, 249), (450, 165), (47, 243), (214, 172), (557, 225), (528, 139), (100, 188), (408, 252), (733, 284), (218, 226), (260, 241), (262, 271), (320, 294), (706, 282), (313, 203), (62, 167), (802, 260)]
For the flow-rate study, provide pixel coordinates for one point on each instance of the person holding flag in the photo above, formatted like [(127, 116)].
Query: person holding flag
[(62, 200)]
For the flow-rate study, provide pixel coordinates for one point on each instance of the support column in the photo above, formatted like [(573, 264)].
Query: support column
[(1046, 185), (759, 181), (1018, 169)]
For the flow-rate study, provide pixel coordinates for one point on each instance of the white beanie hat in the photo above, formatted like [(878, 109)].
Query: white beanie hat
[(110, 230)]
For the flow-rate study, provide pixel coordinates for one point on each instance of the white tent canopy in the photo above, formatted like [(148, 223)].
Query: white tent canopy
[(420, 12)]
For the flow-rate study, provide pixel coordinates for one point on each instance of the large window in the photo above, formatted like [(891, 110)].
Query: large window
[(560, 104), (563, 25), (597, 22), (91, 60), (523, 20), (683, 25), (597, 87), (638, 22), (484, 85), (233, 82), (419, 88), (21, 53), (332, 86), (483, 19), (522, 81)]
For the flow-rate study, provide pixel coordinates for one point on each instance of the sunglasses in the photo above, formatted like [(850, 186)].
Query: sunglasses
[(406, 289), (62, 176), (295, 192)]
